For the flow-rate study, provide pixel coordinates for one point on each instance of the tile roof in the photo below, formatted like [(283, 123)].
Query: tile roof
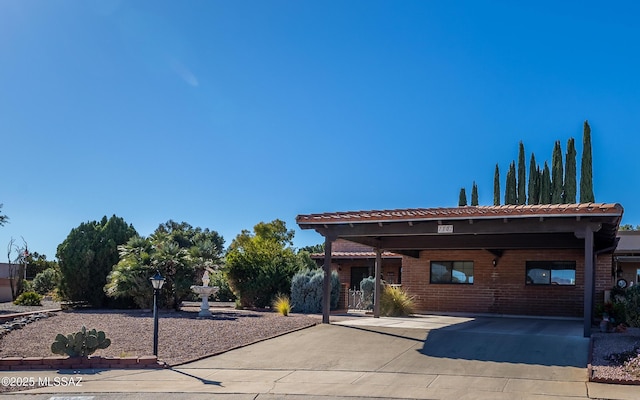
[(467, 212), (357, 254)]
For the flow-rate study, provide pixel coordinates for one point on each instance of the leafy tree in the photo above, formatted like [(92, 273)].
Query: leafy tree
[(570, 186), (313, 249), (510, 195), (629, 227), (3, 218), (462, 198), (260, 265), (474, 194), (496, 186), (522, 178), (586, 168), (37, 263), (545, 185), (534, 181), (557, 186), (180, 252), (45, 281), (87, 256)]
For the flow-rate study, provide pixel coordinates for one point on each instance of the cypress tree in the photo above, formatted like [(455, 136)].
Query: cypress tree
[(510, 196), (462, 199), (586, 168), (496, 186), (522, 178), (534, 194), (474, 194), (570, 173), (557, 187), (545, 185)]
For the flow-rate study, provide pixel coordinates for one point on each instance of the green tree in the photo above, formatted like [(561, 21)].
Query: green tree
[(87, 256), (534, 181), (496, 186), (629, 227), (37, 263), (313, 249), (180, 252), (522, 178), (570, 186), (545, 185), (586, 167), (510, 194), (260, 265), (462, 198), (557, 186), (474, 194)]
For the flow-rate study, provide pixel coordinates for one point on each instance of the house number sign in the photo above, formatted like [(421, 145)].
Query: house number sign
[(445, 228)]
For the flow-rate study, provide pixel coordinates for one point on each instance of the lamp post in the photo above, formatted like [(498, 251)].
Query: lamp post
[(156, 281)]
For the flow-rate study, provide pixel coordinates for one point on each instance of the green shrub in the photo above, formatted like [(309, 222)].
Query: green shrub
[(367, 285), (80, 344), (632, 306), (219, 279), (45, 281), (395, 302), (282, 305), (28, 299), (306, 290)]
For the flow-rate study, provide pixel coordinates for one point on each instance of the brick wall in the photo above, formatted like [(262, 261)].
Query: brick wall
[(502, 289)]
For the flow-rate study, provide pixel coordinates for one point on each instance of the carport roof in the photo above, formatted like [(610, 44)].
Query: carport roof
[(475, 227)]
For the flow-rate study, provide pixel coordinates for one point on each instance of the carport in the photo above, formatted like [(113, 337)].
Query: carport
[(591, 228)]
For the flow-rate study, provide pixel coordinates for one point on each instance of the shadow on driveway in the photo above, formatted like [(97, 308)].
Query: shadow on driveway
[(511, 340)]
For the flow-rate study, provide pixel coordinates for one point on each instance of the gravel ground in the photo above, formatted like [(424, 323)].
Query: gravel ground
[(606, 361), (182, 336)]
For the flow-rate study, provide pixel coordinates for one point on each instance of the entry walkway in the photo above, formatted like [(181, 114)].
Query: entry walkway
[(447, 358)]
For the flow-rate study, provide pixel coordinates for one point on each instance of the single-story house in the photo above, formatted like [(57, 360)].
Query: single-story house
[(626, 259), (543, 260), (5, 281)]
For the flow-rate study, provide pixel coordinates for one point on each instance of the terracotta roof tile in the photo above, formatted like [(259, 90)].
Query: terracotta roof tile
[(473, 212)]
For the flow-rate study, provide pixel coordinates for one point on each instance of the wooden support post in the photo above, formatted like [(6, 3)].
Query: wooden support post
[(377, 290), (588, 281), (326, 283)]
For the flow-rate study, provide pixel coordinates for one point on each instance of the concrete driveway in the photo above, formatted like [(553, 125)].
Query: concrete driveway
[(426, 357)]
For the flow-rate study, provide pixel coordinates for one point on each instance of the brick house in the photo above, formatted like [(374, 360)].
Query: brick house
[(543, 260)]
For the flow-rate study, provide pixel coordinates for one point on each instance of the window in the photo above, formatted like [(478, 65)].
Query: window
[(638, 276), (551, 273), (452, 272)]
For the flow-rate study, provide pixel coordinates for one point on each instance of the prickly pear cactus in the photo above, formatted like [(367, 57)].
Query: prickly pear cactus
[(82, 343)]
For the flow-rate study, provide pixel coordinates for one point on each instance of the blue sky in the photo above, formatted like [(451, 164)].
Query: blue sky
[(225, 114)]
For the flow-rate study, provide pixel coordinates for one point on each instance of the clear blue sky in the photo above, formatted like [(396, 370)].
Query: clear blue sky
[(227, 113)]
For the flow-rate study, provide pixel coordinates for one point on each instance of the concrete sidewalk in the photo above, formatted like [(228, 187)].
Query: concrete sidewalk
[(370, 358)]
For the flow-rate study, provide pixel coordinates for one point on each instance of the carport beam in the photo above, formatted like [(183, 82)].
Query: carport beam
[(326, 284), (377, 289), (588, 281)]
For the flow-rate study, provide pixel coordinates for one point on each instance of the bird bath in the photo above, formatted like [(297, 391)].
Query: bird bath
[(205, 291)]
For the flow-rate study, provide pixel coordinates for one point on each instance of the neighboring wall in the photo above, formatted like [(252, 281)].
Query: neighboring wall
[(502, 289)]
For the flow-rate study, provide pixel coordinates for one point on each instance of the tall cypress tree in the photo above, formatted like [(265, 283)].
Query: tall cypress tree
[(510, 195), (522, 178), (545, 185), (474, 194), (557, 187), (496, 186), (570, 185), (534, 193), (462, 199), (586, 167)]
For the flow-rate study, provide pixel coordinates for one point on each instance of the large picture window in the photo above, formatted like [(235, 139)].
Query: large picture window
[(551, 273), (452, 272)]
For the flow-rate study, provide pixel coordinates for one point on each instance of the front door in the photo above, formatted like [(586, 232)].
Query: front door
[(357, 275)]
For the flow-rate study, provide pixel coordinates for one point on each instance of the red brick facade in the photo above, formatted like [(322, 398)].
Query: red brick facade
[(502, 289)]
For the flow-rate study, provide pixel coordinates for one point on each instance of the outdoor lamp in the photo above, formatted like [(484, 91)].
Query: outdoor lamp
[(156, 281)]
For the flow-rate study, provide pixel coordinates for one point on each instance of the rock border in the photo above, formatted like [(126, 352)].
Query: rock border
[(91, 362)]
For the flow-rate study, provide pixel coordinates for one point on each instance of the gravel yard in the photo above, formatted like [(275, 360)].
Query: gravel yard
[(182, 336), (616, 356)]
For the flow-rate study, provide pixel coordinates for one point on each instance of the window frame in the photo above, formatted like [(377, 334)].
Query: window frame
[(452, 263), (549, 264)]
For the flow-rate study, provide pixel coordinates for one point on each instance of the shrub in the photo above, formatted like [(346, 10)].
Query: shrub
[(367, 285), (28, 299), (80, 344), (219, 279), (45, 281), (395, 302), (306, 290), (282, 305), (632, 306)]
